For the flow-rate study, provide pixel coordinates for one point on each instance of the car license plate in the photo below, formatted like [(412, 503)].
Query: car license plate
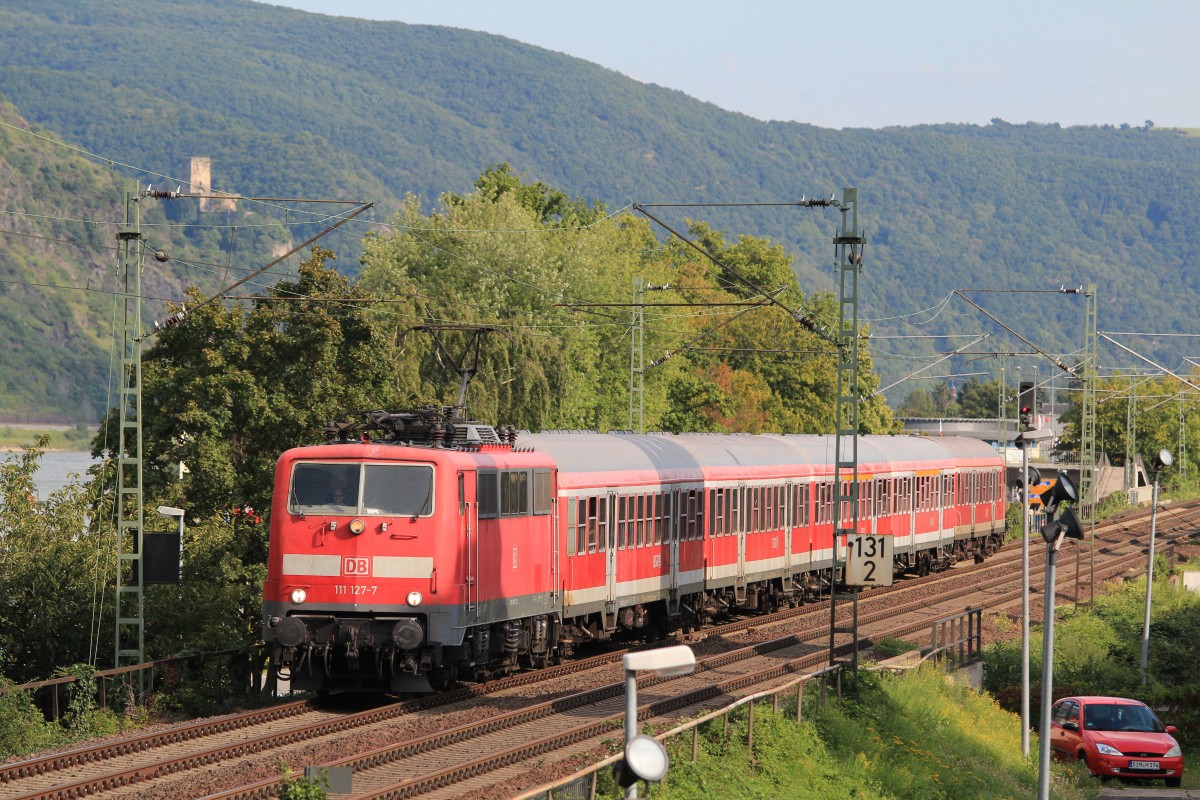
[(1143, 765)]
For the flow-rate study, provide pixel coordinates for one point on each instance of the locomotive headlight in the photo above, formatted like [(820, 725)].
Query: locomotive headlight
[(414, 598), (299, 596), (357, 526)]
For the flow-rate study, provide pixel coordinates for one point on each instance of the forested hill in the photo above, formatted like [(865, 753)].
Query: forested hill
[(288, 103)]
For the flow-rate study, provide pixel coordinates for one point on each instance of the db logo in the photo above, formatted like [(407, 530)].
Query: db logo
[(356, 566)]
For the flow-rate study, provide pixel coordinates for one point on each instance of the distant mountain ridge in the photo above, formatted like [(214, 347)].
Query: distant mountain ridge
[(291, 103)]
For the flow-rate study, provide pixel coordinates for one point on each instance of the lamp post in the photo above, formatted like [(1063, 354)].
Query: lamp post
[(1066, 525), (645, 757), (1163, 459), (1029, 477)]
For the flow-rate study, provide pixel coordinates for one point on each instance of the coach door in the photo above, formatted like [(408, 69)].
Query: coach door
[(468, 521), (671, 532), (608, 541), (749, 514), (789, 520)]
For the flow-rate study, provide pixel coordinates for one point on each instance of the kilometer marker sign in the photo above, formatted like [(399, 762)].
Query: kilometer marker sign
[(868, 560)]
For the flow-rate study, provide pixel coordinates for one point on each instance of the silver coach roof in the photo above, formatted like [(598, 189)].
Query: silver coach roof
[(687, 456)]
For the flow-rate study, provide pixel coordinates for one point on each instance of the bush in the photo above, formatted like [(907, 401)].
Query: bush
[(82, 719), (889, 646), (295, 787), (23, 729)]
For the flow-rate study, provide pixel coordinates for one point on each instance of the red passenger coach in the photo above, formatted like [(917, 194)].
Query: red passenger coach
[(442, 549)]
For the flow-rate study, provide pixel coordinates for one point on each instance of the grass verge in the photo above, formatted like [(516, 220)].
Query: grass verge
[(918, 736)]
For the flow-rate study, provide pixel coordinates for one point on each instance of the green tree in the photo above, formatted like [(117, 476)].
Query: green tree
[(557, 278), (977, 399), (1153, 407), (50, 556), (494, 258), (918, 403), (231, 389), (943, 399)]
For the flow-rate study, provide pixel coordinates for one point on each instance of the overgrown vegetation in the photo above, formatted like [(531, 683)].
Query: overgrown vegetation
[(919, 736), (1098, 652), (295, 786)]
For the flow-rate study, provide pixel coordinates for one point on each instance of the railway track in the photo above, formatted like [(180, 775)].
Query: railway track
[(430, 747)]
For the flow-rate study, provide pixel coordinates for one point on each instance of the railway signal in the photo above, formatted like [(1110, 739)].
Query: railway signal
[(1026, 401), (1061, 523)]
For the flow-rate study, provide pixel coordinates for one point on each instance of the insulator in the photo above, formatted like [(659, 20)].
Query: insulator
[(159, 194), (170, 322)]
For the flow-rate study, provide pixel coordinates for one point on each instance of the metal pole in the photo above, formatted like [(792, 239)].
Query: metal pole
[(1047, 670), (637, 364), (1025, 600), (130, 628), (1149, 581), (631, 726)]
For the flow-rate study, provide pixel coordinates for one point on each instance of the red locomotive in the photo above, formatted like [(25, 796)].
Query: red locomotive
[(442, 548)]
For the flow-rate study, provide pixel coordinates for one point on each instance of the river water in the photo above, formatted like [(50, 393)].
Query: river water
[(54, 468)]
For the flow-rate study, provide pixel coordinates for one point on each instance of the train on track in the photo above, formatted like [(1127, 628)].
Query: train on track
[(418, 548)]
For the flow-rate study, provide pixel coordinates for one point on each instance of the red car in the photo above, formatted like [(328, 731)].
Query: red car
[(1118, 738)]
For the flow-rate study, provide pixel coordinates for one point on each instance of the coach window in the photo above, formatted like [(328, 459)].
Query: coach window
[(651, 521), (399, 490), (640, 517), (682, 518), (488, 489), (582, 524), (664, 525), (514, 493), (622, 521), (664, 511), (543, 492), (572, 522), (593, 523)]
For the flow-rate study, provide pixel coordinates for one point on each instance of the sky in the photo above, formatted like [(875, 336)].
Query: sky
[(868, 63)]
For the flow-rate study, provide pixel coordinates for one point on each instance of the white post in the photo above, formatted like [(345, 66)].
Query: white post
[(1047, 669), (631, 723), (1025, 601), (1149, 581)]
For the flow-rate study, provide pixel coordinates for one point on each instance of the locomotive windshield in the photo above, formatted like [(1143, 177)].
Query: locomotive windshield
[(400, 490)]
